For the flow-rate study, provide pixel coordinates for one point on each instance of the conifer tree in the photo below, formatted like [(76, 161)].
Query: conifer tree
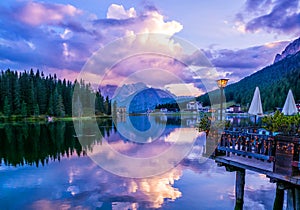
[(7, 107), (24, 109)]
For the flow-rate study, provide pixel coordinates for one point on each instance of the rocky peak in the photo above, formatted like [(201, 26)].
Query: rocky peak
[(291, 49)]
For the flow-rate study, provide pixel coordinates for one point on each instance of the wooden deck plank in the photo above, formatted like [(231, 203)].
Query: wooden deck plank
[(262, 167), (248, 163)]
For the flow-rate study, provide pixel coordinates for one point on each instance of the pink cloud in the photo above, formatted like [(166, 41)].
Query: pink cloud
[(34, 13), (118, 12)]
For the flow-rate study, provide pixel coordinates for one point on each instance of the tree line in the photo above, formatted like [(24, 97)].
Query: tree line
[(169, 106), (32, 94)]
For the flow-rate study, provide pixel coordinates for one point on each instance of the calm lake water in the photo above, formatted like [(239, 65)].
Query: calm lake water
[(45, 166)]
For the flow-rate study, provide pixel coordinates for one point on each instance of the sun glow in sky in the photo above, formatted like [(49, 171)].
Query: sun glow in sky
[(59, 36)]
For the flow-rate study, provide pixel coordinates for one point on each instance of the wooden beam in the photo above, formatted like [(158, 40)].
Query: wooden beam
[(297, 198), (279, 198), (290, 199), (248, 154), (239, 188)]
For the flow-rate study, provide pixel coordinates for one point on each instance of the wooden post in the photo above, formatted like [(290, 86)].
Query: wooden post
[(290, 199), (297, 198), (239, 188), (279, 198)]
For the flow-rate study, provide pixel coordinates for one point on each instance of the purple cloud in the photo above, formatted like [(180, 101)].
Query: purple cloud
[(34, 13), (237, 64), (257, 5), (280, 16), (61, 37), (41, 42)]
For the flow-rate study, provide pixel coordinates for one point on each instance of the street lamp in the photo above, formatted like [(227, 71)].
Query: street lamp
[(222, 84)]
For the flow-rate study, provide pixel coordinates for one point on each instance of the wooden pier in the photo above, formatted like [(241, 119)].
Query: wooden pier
[(276, 157)]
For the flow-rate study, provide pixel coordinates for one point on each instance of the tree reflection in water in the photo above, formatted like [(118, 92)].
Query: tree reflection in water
[(35, 144)]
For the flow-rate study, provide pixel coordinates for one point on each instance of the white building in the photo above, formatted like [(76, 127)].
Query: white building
[(234, 109), (163, 110), (194, 106), (121, 110)]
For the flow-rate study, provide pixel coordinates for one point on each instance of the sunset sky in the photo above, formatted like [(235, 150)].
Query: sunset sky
[(59, 36)]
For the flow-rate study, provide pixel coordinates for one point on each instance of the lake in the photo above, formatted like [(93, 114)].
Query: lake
[(137, 162)]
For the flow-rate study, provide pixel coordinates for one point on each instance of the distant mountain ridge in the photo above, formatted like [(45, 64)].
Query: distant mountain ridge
[(291, 49), (138, 97), (122, 92)]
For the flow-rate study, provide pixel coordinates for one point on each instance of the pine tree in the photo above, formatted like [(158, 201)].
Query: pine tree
[(24, 109), (51, 105), (36, 110), (114, 110), (7, 107), (31, 98), (107, 108), (17, 97), (41, 95), (60, 109)]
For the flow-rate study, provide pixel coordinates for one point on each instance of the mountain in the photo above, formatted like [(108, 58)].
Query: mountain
[(148, 98), (121, 93), (139, 98), (108, 90), (291, 49), (128, 90), (274, 81)]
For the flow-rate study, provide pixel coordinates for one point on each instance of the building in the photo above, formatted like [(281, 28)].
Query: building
[(194, 106), (163, 110), (234, 109), (121, 110)]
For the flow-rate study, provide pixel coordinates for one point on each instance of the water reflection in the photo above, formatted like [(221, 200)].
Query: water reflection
[(130, 152), (37, 143), (77, 182)]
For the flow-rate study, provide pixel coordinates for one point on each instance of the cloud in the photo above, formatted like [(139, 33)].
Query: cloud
[(118, 12), (61, 38), (237, 64), (34, 13), (123, 22), (256, 6), (277, 16), (56, 36), (42, 35)]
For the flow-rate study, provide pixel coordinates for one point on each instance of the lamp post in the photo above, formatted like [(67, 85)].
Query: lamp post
[(222, 84)]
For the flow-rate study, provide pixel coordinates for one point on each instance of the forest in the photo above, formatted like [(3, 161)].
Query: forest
[(274, 82), (33, 94)]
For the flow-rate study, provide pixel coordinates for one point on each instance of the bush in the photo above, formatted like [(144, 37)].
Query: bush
[(287, 125)]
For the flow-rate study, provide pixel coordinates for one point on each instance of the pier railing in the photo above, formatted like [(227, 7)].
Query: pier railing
[(277, 157), (250, 145), (281, 150)]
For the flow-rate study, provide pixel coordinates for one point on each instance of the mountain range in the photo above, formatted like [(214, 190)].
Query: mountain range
[(274, 81)]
